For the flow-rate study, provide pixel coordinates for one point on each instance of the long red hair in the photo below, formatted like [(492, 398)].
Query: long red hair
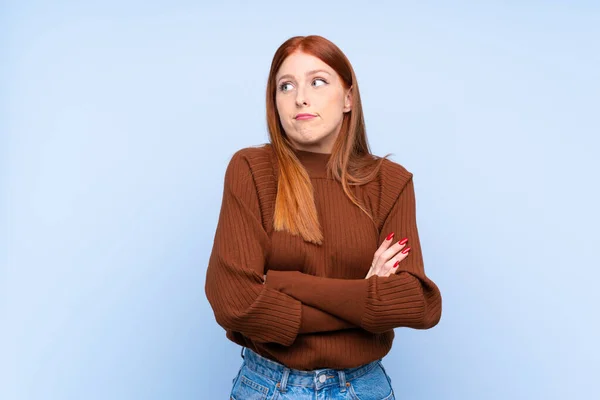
[(351, 161)]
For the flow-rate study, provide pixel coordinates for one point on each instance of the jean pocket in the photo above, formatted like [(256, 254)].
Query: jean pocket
[(235, 378), (248, 387), (374, 385), (385, 372)]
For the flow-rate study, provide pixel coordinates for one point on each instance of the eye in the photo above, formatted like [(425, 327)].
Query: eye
[(319, 79), (284, 86)]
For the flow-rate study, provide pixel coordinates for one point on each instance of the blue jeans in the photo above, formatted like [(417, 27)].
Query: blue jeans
[(262, 379)]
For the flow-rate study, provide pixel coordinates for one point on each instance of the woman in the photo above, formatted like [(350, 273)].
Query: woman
[(316, 257)]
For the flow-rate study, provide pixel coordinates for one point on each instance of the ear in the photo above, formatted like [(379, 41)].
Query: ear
[(348, 100)]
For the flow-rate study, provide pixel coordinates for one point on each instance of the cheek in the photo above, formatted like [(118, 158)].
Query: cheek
[(332, 102), (281, 112), (333, 108), (284, 116), (282, 108)]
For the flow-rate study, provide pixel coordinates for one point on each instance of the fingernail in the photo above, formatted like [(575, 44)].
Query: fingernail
[(406, 250), (390, 236), (396, 264), (403, 241)]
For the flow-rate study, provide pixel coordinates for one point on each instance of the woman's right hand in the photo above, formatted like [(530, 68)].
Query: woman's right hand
[(388, 256)]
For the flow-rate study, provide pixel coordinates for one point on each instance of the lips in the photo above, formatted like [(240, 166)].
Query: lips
[(305, 116)]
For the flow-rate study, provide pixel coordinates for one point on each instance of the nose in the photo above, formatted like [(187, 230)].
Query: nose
[(301, 98)]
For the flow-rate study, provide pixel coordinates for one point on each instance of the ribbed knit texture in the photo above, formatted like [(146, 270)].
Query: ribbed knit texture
[(316, 310)]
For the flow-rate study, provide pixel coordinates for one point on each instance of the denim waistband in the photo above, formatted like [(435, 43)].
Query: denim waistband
[(317, 378)]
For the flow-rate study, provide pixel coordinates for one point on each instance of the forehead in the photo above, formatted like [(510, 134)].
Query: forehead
[(298, 64)]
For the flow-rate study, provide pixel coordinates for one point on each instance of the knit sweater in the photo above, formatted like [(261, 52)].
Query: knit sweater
[(316, 309)]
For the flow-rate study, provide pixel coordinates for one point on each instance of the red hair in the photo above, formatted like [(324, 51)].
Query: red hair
[(351, 161)]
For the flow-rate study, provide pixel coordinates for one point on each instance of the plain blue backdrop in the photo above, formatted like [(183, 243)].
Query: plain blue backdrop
[(118, 119)]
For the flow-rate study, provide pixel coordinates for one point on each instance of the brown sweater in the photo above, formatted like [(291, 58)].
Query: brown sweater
[(316, 309)]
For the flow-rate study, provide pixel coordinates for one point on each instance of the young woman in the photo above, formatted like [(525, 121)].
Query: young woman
[(316, 257)]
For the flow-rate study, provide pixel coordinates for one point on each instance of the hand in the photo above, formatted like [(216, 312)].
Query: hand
[(388, 256)]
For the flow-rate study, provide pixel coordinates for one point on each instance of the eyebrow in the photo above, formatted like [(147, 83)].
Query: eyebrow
[(307, 74)]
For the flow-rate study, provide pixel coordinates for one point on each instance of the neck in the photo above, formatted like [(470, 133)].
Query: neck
[(314, 163)]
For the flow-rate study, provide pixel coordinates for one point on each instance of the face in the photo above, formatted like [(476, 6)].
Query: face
[(306, 85)]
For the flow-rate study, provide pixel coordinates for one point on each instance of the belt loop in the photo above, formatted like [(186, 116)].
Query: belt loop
[(342, 377), (242, 353), (284, 379)]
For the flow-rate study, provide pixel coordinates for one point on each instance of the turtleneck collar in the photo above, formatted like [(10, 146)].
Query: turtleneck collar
[(314, 163)]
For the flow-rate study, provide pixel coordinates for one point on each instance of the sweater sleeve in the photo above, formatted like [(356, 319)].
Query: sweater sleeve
[(378, 304), (234, 277), (315, 320)]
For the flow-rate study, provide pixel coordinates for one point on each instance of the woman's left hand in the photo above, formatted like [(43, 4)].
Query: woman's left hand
[(388, 256)]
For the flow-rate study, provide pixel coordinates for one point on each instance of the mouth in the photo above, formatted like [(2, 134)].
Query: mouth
[(304, 116)]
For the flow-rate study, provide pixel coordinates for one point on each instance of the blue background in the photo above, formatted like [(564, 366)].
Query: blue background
[(119, 118)]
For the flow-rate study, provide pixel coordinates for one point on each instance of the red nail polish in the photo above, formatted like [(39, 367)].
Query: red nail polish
[(406, 250), (396, 264), (403, 241), (390, 236)]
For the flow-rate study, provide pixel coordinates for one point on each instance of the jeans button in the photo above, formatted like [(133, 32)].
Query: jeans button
[(322, 378)]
